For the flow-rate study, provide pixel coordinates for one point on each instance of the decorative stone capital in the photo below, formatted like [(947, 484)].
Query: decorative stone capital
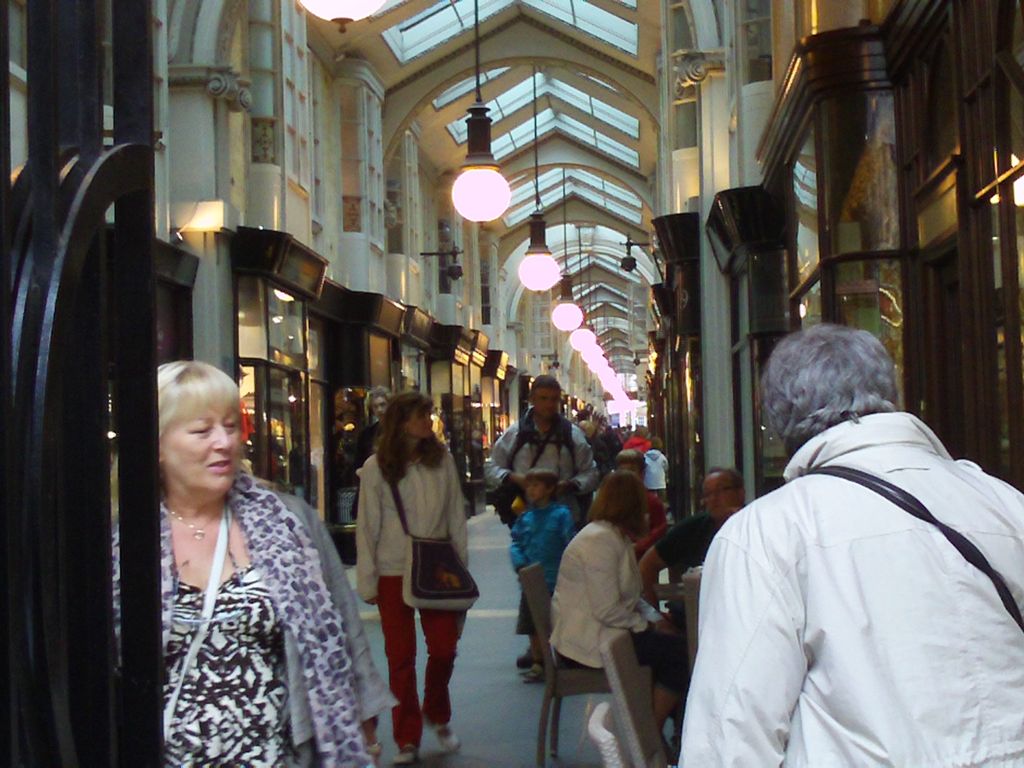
[(693, 67), (234, 90), (220, 82)]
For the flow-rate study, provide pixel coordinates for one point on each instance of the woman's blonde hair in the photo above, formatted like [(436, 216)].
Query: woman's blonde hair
[(394, 450), (189, 388), (622, 501)]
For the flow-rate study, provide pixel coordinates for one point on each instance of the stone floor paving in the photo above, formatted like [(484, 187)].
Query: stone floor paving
[(495, 713)]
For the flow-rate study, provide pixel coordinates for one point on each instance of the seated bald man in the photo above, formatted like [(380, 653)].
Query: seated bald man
[(687, 542)]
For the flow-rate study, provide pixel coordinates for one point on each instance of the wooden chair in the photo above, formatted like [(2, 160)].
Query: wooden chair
[(599, 728), (632, 704), (559, 681), (691, 604)]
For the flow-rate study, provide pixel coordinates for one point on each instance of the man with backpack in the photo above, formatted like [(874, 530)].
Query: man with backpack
[(542, 438)]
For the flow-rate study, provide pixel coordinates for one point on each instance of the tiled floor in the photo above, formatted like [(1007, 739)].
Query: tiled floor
[(495, 713)]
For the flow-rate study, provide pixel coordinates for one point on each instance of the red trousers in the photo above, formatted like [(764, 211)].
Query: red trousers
[(441, 630)]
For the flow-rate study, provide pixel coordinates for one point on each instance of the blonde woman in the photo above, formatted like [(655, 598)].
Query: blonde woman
[(266, 660)]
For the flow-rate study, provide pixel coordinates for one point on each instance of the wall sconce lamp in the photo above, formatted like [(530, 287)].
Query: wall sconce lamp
[(628, 262), (453, 270)]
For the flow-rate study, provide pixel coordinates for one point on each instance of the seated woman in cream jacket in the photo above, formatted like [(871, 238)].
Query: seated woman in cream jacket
[(597, 595)]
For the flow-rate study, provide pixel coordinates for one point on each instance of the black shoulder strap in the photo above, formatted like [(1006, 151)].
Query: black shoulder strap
[(912, 505), (399, 506)]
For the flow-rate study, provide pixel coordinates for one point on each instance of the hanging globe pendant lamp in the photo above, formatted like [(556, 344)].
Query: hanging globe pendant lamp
[(582, 339), (566, 315), (342, 11), (480, 193), (538, 271)]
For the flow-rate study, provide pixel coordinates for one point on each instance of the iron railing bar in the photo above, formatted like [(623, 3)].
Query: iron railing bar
[(39, 731), (134, 348), (8, 755)]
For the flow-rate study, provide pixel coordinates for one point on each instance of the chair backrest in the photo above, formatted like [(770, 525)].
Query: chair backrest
[(691, 603), (599, 727), (632, 703), (538, 600)]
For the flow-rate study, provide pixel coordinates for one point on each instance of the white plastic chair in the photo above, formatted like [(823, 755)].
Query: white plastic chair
[(599, 727)]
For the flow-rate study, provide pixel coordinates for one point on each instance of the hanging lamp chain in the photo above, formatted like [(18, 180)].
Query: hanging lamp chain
[(476, 31), (536, 145)]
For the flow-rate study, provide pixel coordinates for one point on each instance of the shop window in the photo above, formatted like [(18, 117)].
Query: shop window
[(380, 361), (869, 296), (173, 322), (940, 128), (16, 27), (861, 202), (287, 328), (318, 415), (252, 318), (805, 209), (809, 307)]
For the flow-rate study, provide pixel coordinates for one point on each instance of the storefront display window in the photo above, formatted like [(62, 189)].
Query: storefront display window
[(252, 319), (809, 309), (318, 400), (805, 208), (869, 296), (861, 201), (287, 328)]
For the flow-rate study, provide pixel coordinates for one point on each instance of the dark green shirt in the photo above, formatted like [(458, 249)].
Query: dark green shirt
[(686, 543)]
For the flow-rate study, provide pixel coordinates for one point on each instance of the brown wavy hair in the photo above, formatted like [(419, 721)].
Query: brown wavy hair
[(394, 449), (622, 501)]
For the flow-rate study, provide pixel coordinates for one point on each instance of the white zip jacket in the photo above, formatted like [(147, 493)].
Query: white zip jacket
[(838, 630), (434, 508), (598, 594)]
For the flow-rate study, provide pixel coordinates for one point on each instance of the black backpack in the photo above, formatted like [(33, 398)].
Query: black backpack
[(505, 495)]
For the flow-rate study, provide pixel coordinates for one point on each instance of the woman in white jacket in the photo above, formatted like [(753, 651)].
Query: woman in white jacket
[(598, 594), (411, 456)]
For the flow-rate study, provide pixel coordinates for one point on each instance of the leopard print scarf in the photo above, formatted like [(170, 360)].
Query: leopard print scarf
[(288, 561)]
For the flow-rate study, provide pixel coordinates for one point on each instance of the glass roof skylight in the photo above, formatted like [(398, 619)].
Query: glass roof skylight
[(594, 21), (521, 94), (447, 18), (609, 197), (548, 120), (436, 25), (460, 89)]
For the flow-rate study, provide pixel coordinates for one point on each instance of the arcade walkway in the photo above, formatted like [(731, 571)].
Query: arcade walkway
[(495, 712)]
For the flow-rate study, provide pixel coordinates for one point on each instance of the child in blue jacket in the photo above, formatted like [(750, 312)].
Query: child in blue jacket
[(540, 535)]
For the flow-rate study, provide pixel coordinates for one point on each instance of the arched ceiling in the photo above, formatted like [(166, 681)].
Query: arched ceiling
[(593, 65)]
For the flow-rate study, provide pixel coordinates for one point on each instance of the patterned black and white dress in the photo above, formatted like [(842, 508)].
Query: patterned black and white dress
[(233, 705)]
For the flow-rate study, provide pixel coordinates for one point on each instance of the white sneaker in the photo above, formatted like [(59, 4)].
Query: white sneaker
[(446, 738), (407, 755)]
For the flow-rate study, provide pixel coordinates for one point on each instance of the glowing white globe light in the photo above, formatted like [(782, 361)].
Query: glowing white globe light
[(592, 356), (539, 272), (353, 10), (481, 194), (582, 338), (567, 316)]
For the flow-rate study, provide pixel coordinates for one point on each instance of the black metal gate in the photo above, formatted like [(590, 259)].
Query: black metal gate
[(78, 337)]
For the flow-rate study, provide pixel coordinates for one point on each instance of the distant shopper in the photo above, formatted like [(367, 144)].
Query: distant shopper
[(423, 471), (265, 659), (597, 596), (686, 543), (543, 438), (540, 535), (656, 469), (838, 628), (657, 522), (638, 441), (366, 443)]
